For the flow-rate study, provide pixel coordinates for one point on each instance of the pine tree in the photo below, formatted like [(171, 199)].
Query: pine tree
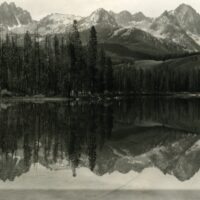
[(76, 57), (92, 60), (72, 69), (27, 74), (109, 75), (101, 72), (49, 65), (5, 63), (37, 65), (56, 68)]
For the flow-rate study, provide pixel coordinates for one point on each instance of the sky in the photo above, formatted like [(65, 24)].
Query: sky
[(151, 8)]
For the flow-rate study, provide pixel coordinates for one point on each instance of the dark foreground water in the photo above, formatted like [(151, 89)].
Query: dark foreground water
[(102, 149)]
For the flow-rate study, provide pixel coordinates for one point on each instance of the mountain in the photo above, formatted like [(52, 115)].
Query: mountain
[(172, 31), (51, 24), (56, 23), (104, 23), (123, 18), (99, 17), (181, 26), (187, 18), (139, 16), (167, 26), (121, 40), (142, 42), (12, 16)]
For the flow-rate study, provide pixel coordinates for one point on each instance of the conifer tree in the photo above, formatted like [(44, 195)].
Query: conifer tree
[(92, 60), (101, 72), (5, 63), (37, 65), (76, 56), (109, 75), (27, 73), (56, 68)]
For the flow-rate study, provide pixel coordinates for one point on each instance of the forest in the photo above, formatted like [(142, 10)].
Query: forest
[(56, 66), (65, 67)]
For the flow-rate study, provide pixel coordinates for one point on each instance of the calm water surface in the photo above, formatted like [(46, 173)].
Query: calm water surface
[(137, 144)]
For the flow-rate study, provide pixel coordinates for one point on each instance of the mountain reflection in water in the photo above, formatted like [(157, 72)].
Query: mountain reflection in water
[(126, 136)]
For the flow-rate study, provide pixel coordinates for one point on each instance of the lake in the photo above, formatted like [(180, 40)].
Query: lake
[(147, 148)]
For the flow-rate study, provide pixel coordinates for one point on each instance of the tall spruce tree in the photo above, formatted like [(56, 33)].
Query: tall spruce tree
[(109, 75), (92, 60), (101, 71), (72, 69), (27, 73), (76, 56), (5, 63), (37, 64), (56, 69)]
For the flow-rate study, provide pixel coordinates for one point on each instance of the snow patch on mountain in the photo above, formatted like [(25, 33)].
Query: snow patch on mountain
[(195, 37), (65, 19), (98, 17), (56, 23), (15, 26), (11, 15)]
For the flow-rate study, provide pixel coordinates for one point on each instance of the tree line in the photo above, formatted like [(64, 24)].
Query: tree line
[(61, 65), (160, 79), (55, 66)]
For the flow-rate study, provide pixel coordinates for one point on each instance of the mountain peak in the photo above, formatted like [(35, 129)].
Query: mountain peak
[(5, 3), (139, 16), (125, 12), (185, 9), (100, 10), (188, 18), (101, 16), (165, 13), (184, 6), (11, 16), (123, 18), (12, 4)]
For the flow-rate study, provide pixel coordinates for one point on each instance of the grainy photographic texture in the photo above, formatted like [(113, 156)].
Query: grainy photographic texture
[(99, 99)]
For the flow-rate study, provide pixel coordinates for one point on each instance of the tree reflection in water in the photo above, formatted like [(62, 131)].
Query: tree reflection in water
[(101, 137)]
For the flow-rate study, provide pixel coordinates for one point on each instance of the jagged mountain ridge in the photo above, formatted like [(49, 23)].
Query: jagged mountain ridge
[(125, 18), (167, 27), (180, 26), (56, 22), (11, 16), (188, 18), (99, 16)]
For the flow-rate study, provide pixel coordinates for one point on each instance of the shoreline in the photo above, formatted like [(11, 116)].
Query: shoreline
[(99, 97)]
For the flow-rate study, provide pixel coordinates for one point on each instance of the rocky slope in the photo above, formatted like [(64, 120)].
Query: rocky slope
[(173, 30), (12, 16)]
